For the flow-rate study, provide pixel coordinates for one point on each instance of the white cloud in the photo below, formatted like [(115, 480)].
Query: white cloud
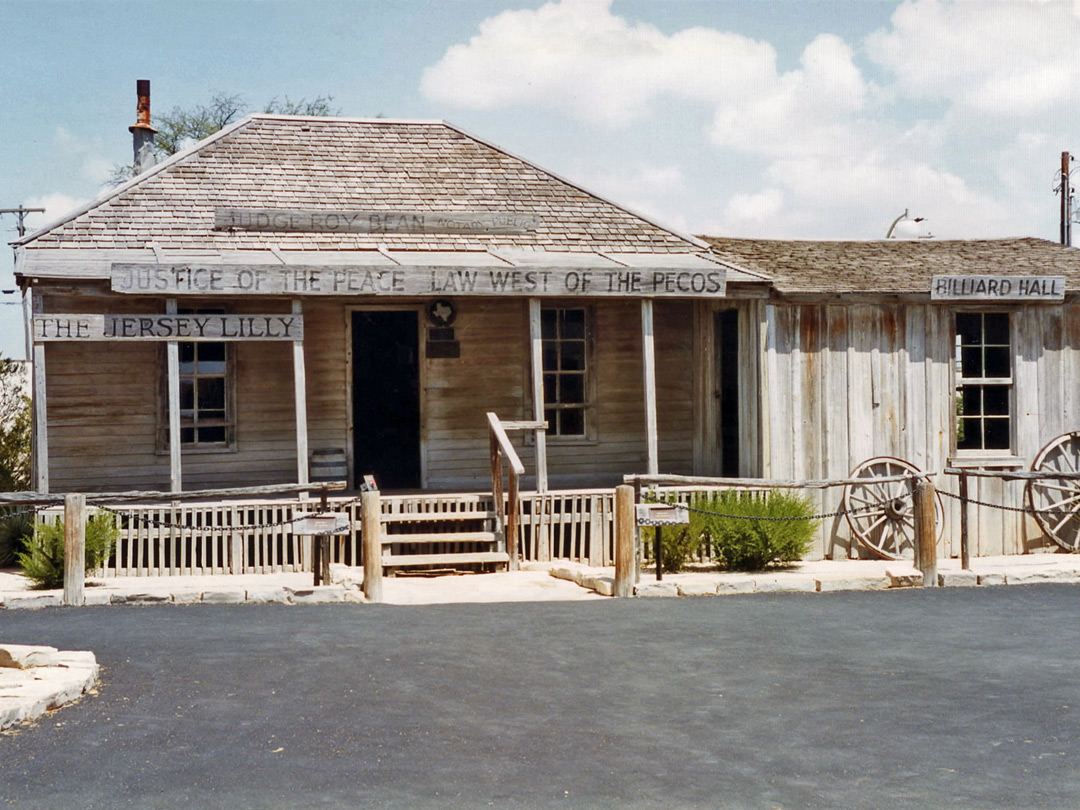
[(1007, 58), (86, 154), (56, 205)]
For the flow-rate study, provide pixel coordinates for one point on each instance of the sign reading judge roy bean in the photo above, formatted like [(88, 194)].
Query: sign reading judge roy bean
[(396, 280)]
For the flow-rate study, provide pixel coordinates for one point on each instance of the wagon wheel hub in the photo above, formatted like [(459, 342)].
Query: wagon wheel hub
[(897, 508)]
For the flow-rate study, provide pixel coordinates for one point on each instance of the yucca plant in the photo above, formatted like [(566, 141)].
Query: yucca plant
[(742, 536), (43, 561)]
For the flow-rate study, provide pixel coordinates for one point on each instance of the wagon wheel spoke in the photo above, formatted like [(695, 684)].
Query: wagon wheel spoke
[(1049, 497), (888, 529)]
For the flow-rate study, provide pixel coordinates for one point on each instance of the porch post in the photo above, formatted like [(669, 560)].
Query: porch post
[(172, 349), (536, 347), (37, 390), (648, 357), (300, 385)]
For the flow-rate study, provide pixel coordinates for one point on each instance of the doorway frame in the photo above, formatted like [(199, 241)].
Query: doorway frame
[(421, 359)]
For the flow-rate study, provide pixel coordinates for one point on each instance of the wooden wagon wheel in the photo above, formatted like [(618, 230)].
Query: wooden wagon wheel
[(880, 513), (1056, 501)]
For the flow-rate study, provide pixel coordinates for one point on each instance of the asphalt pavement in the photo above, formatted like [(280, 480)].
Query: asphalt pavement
[(910, 698)]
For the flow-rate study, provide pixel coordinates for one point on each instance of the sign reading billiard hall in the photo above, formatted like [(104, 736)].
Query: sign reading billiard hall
[(997, 288)]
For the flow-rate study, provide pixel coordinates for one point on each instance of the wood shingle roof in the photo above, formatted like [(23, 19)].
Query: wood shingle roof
[(291, 162), (894, 266)]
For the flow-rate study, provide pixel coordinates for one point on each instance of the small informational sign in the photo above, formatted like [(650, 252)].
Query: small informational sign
[(327, 523), (997, 288), (662, 514), (187, 327), (398, 280), (308, 221)]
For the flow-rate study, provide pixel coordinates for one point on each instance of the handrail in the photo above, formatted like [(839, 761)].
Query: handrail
[(50, 499), (504, 443), (761, 483), (507, 515)]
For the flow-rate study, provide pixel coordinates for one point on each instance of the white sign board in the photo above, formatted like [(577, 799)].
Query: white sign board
[(335, 523), (398, 280), (997, 288), (662, 514), (187, 327)]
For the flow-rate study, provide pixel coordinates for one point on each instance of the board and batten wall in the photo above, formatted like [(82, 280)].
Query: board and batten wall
[(843, 383), (105, 400)]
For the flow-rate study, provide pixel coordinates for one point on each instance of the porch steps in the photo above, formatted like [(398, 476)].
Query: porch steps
[(410, 539)]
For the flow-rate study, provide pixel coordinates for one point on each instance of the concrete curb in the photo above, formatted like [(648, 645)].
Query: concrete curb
[(323, 594), (34, 680), (716, 584)]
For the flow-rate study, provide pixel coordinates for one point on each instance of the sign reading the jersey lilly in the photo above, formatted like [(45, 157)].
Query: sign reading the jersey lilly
[(201, 280), (185, 327)]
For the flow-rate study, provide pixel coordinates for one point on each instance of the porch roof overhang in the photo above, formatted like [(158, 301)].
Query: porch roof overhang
[(75, 264)]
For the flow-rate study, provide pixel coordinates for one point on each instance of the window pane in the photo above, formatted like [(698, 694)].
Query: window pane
[(996, 434), (571, 388), (547, 323), (971, 361), (211, 351), (971, 400), (969, 434), (212, 394), (214, 435), (550, 356), (997, 361), (551, 391), (187, 395), (573, 356), (187, 353), (573, 324), (187, 435), (996, 325), (969, 328), (573, 422), (996, 400)]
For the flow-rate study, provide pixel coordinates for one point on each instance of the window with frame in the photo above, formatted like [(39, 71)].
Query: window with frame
[(206, 412), (564, 344), (984, 381)]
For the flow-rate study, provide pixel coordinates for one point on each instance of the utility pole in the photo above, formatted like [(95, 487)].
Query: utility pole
[(20, 215), (1066, 201)]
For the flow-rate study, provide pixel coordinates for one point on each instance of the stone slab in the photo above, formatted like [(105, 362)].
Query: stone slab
[(268, 594), (786, 584), (1043, 575), (146, 598), (656, 589), (96, 597), (873, 583), (730, 586), (957, 579), (224, 596), (317, 595), (905, 576), (33, 601), (992, 578), (697, 588), (24, 656)]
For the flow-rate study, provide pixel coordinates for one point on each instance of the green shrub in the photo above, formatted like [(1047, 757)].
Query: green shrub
[(751, 545), (43, 561), (14, 534), (679, 545)]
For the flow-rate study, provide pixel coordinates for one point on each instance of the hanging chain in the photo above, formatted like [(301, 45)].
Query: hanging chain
[(650, 498)]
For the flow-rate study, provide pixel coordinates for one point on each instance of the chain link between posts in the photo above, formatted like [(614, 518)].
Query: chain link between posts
[(146, 520), (649, 498)]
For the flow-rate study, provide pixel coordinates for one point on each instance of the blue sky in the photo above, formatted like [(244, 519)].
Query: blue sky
[(792, 119)]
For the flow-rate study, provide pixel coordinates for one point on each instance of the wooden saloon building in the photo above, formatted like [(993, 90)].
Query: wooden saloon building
[(295, 292)]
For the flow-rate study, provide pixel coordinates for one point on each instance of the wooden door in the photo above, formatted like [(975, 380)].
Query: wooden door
[(386, 397)]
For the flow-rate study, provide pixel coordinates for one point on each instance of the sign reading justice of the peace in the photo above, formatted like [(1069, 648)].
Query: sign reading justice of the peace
[(997, 288), (396, 280), (274, 219), (187, 327)]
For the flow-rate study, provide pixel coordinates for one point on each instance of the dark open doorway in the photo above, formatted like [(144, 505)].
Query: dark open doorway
[(726, 332), (386, 397)]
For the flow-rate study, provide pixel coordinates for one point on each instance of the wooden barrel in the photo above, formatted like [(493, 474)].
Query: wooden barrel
[(328, 465)]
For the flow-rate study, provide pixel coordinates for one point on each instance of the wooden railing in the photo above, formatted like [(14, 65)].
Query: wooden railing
[(507, 510)]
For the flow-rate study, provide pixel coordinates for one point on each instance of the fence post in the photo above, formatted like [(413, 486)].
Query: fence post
[(74, 547), (965, 555), (925, 532), (371, 532), (624, 540)]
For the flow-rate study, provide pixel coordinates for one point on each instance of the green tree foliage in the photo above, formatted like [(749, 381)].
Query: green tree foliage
[(16, 528), (43, 561), (15, 421), (181, 127), (742, 543)]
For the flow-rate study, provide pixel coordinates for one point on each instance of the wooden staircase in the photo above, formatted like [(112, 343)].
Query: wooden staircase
[(463, 536)]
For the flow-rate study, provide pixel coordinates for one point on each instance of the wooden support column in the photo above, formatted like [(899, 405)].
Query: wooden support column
[(172, 349), (41, 430), (536, 352), (74, 548), (300, 393), (648, 357), (925, 531)]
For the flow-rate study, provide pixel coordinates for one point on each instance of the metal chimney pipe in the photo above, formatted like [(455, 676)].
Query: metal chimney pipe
[(141, 131)]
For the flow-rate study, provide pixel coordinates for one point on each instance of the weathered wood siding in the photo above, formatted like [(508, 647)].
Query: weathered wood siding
[(104, 426), (850, 382)]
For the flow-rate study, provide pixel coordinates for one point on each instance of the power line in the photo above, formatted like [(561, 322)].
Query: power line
[(20, 215)]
